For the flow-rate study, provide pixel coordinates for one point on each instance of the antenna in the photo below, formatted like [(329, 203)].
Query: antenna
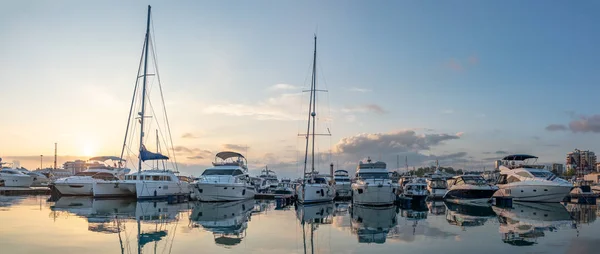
[(55, 149)]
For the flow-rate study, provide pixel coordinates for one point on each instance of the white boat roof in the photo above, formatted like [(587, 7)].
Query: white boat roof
[(228, 154)]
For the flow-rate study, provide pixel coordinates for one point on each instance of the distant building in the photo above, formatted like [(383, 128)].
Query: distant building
[(75, 166), (558, 168), (583, 161)]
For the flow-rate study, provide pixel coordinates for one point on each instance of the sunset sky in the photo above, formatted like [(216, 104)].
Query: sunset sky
[(463, 82)]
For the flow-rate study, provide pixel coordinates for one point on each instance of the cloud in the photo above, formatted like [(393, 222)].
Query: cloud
[(583, 124), (460, 133), (364, 109), (586, 124), (556, 127), (453, 64), (359, 90), (281, 108), (282, 87), (189, 135), (448, 111), (197, 157), (389, 145), (236, 147), (501, 152), (350, 118)]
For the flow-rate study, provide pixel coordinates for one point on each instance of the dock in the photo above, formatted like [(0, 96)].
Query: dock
[(18, 191)]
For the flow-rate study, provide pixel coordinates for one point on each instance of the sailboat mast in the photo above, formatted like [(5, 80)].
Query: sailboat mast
[(144, 91), (310, 110), (314, 98)]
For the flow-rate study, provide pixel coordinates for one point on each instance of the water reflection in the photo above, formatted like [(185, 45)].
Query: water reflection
[(372, 224), (341, 218), (523, 224), (436, 207), (227, 221), (466, 216), (154, 218), (312, 216), (583, 213)]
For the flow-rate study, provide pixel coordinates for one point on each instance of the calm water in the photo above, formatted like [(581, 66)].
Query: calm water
[(84, 225)]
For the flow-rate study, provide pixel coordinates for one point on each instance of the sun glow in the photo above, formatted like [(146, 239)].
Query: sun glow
[(88, 149)]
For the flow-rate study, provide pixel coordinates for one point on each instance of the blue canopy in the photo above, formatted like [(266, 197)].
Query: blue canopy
[(519, 157), (146, 155)]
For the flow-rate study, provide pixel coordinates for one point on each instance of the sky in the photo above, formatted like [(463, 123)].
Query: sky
[(462, 82)]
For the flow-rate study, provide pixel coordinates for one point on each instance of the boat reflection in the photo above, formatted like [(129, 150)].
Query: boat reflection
[(227, 221), (526, 222), (436, 207), (583, 213), (154, 218), (372, 224), (466, 216), (311, 216), (341, 220)]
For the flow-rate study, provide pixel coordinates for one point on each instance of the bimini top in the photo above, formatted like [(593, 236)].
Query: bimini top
[(105, 158), (227, 154), (519, 157), (372, 165)]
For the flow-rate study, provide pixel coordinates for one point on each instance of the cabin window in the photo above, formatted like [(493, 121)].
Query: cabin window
[(155, 178), (459, 181), (147, 178), (237, 172), (513, 179), (524, 174)]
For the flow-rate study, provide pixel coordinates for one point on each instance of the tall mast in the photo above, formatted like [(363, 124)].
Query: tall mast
[(314, 98), (310, 110), (144, 91)]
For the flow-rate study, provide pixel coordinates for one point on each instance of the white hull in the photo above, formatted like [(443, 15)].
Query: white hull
[(160, 189), (17, 180), (373, 194), (74, 188), (222, 191), (113, 189), (537, 193), (315, 193)]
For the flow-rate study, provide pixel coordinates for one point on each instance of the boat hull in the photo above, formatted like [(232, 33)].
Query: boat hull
[(343, 190), (375, 195), (111, 189), (315, 193), (470, 196), (22, 181), (222, 192), (74, 188), (437, 193), (537, 193), (160, 189)]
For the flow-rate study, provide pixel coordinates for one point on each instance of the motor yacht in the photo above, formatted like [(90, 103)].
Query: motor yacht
[(285, 188), (373, 185), (416, 189), (270, 180), (437, 186), (13, 177), (227, 221), (81, 184), (227, 180), (469, 189), (342, 184), (526, 181), (372, 224)]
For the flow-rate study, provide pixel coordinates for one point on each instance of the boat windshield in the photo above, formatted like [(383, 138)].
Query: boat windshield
[(382, 175), (475, 180), (222, 172), (342, 180), (541, 174), (438, 184)]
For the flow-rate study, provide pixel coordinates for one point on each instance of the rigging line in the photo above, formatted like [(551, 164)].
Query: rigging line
[(133, 99), (164, 108)]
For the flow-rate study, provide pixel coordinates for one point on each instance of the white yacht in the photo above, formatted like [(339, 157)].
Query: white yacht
[(314, 187), (270, 180), (81, 184), (227, 180), (39, 179), (343, 184), (160, 180), (469, 189), (416, 189), (373, 185), (437, 186), (284, 188), (525, 181), (13, 178)]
